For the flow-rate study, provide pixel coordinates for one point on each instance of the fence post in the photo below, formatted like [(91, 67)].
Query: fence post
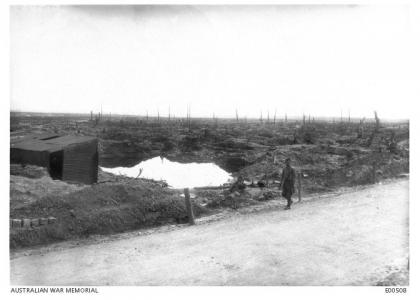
[(374, 172), (189, 206), (299, 186)]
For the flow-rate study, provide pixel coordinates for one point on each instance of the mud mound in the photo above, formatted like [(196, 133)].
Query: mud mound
[(325, 167), (100, 209), (235, 200), (24, 191), (28, 171)]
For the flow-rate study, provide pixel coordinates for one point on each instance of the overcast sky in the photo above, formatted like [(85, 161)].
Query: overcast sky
[(316, 60)]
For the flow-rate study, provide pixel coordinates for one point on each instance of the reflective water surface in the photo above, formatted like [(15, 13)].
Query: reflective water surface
[(177, 175)]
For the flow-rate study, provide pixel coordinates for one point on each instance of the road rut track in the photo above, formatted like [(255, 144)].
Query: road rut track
[(356, 238)]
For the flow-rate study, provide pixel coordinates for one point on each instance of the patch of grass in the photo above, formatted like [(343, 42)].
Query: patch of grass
[(100, 209)]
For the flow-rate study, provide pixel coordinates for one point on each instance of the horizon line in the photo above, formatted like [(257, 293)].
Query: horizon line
[(166, 116)]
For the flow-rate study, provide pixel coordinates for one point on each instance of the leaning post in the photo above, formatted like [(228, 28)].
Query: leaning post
[(299, 186), (189, 206)]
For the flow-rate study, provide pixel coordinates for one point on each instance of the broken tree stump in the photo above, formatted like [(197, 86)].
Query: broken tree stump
[(188, 206)]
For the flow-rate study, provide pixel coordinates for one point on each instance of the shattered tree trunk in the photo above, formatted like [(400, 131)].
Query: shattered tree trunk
[(377, 122)]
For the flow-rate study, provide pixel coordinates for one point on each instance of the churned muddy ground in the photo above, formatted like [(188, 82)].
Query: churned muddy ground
[(358, 237)]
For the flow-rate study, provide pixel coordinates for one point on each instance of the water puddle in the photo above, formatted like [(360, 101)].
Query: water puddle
[(177, 175)]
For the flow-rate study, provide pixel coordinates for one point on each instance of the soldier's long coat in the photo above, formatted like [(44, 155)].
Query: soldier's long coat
[(288, 181)]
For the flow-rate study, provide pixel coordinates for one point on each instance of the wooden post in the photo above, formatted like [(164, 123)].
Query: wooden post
[(189, 206), (374, 173), (299, 186)]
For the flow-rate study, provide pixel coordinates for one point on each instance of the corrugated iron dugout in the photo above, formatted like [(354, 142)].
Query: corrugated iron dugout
[(68, 158)]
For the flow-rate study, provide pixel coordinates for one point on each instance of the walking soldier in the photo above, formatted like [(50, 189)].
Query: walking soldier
[(287, 183)]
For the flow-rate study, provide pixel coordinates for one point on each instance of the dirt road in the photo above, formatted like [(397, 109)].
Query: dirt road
[(357, 238)]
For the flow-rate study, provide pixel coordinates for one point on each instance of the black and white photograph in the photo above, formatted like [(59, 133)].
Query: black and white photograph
[(210, 145)]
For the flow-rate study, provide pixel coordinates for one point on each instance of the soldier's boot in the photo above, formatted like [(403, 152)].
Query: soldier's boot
[(289, 204)]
